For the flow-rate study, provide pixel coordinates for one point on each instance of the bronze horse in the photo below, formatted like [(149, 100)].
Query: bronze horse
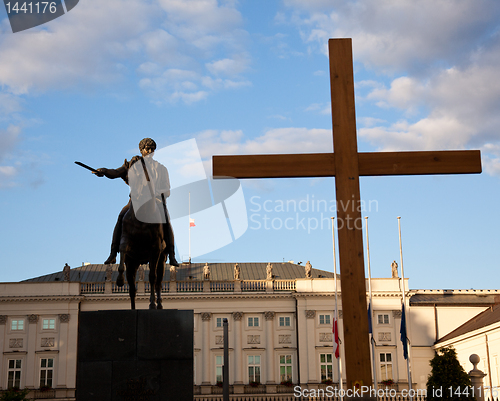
[(142, 243)]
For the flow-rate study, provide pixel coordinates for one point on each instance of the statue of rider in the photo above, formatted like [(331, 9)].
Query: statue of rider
[(147, 146)]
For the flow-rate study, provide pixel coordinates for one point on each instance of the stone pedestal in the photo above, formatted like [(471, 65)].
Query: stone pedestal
[(206, 389), (238, 388), (271, 388), (128, 355)]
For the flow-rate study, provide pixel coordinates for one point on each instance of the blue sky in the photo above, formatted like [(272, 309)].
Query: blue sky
[(244, 77)]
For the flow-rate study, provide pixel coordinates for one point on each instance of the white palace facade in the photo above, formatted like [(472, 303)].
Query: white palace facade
[(280, 327)]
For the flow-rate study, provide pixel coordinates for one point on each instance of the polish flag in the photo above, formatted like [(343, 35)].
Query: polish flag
[(191, 223), (336, 337)]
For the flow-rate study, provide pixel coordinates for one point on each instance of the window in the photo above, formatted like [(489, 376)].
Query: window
[(284, 321), (14, 373), (254, 368), (49, 324), (218, 322), (386, 365), (383, 319), (253, 322), (46, 371), (324, 319), (326, 366), (219, 362), (285, 368), (17, 325)]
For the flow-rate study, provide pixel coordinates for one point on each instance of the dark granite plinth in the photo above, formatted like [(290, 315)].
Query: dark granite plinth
[(135, 355)]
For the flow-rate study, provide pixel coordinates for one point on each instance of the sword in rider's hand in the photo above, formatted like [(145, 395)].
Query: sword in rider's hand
[(87, 167)]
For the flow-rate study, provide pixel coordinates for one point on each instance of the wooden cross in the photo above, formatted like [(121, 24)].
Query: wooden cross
[(346, 165)]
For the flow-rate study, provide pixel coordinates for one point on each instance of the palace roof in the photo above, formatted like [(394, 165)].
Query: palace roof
[(483, 319), (193, 271)]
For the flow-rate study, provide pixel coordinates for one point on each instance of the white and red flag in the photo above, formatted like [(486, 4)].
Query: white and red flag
[(336, 337)]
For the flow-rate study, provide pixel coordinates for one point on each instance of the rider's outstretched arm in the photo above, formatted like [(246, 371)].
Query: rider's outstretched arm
[(112, 173)]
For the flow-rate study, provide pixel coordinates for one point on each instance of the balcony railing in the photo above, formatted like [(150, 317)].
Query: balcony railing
[(253, 285), (190, 286), (221, 286)]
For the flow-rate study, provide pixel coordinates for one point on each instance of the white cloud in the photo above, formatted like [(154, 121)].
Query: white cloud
[(369, 122), (398, 34), (100, 42), (279, 117), (189, 97), (403, 93), (277, 140), (204, 16), (9, 138), (7, 171), (433, 133), (462, 107), (320, 108), (227, 66), (184, 85), (7, 175), (82, 46), (273, 141), (9, 104)]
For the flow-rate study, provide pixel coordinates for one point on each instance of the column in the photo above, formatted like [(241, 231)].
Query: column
[(302, 342), (70, 320), (270, 358), (31, 362), (311, 347), (398, 361), (205, 353), (3, 324), (64, 357), (238, 386)]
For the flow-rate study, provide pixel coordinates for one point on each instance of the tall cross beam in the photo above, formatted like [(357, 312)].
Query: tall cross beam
[(346, 165)]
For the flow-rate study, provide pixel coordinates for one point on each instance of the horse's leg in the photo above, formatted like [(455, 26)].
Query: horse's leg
[(121, 268), (160, 269), (153, 261), (132, 266)]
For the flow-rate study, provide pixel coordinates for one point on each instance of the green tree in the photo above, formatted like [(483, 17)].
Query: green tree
[(448, 380), (14, 394)]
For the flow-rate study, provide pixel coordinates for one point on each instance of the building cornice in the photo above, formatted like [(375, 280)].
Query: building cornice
[(42, 298), (190, 296)]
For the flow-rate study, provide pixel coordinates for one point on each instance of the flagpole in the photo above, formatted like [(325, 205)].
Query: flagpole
[(403, 315), (189, 221), (372, 341), (335, 322)]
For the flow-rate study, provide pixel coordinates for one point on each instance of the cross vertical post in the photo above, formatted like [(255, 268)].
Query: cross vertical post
[(349, 220)]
